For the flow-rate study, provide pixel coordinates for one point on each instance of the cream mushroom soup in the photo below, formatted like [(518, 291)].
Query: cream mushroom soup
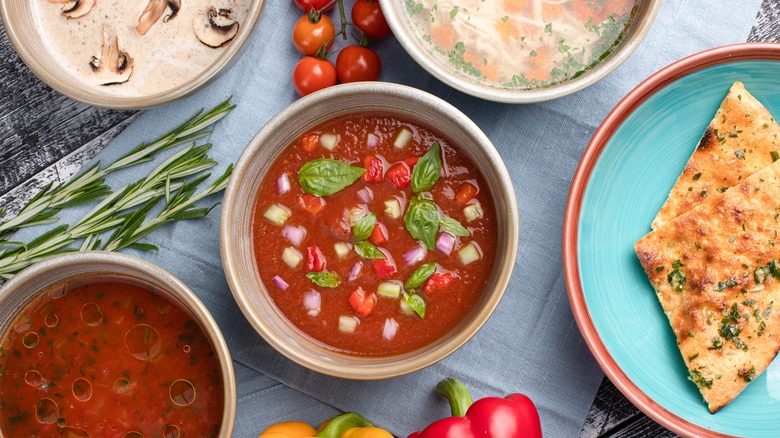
[(520, 43), (136, 48)]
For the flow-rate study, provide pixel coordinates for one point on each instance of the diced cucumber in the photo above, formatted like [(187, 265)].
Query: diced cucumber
[(473, 212), (328, 140), (277, 214), (406, 309), (403, 137), (469, 253), (393, 208), (292, 257), (389, 289), (348, 324), (342, 249)]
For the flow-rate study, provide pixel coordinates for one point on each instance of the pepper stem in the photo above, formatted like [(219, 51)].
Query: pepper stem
[(338, 425), (457, 394)]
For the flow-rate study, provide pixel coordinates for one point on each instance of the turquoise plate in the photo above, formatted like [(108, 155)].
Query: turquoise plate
[(624, 177)]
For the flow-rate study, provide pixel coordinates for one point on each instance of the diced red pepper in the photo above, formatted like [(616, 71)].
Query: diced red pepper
[(374, 169), (411, 161), (309, 142), (378, 235), (384, 268), (361, 302), (315, 261), (400, 175), (312, 204), (466, 193), (438, 282)]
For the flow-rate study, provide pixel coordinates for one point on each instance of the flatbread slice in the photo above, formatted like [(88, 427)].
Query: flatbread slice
[(737, 143), (716, 272)]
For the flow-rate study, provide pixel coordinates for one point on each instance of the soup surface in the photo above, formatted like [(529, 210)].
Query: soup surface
[(166, 54), (108, 356), (395, 256), (520, 43)]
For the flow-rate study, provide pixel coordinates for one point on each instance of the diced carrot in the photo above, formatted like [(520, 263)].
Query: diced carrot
[(466, 193), (309, 142), (443, 36), (312, 204), (378, 234), (361, 302), (374, 169), (400, 175), (315, 261), (384, 268), (438, 282)]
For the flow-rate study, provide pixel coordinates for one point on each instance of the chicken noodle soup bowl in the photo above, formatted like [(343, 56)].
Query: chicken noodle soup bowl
[(520, 51), (339, 288), (152, 76), (101, 342)]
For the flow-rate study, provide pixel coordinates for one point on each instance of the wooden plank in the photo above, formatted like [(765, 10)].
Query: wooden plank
[(39, 125)]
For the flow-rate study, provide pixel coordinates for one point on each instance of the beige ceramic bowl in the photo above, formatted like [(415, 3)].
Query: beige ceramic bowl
[(20, 26), (17, 293), (397, 17), (236, 240)]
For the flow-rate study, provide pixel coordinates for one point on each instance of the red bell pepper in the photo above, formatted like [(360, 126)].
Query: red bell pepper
[(315, 261), (438, 282), (400, 175), (491, 417), (384, 268), (378, 234), (374, 169), (361, 302)]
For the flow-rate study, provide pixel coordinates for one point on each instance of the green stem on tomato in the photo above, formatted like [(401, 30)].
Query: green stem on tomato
[(343, 16)]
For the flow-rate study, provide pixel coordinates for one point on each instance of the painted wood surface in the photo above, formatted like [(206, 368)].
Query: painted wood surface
[(45, 137)]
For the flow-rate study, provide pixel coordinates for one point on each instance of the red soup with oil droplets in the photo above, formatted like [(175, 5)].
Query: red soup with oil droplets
[(374, 235), (108, 356)]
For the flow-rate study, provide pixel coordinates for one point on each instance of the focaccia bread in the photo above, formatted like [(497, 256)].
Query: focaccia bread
[(716, 272), (738, 142)]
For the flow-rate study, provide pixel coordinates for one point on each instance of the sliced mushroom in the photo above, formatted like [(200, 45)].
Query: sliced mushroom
[(114, 66), (153, 11), (216, 27), (75, 8)]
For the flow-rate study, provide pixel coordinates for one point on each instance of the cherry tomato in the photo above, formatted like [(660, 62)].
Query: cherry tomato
[(311, 74), (361, 302), (356, 64), (312, 204), (309, 142), (306, 5), (308, 37), (368, 16)]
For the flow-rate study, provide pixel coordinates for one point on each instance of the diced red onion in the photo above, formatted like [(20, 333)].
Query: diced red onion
[(390, 329), (372, 141), (312, 302), (294, 234), (283, 184), (355, 271), (280, 283), (415, 254), (366, 195), (445, 243)]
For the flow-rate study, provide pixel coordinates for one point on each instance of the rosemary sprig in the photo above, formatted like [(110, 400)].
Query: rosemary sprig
[(90, 184)]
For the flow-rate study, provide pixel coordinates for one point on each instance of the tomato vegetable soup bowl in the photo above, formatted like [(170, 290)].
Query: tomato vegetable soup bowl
[(104, 343), (369, 230)]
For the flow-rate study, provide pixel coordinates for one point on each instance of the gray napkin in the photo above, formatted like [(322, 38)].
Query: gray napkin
[(531, 344)]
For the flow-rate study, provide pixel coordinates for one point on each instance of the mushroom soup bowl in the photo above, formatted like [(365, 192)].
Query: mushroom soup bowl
[(128, 55), (247, 255), (39, 304)]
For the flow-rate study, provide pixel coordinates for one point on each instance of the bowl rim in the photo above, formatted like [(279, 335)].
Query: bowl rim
[(51, 266), (231, 257), (95, 98), (393, 11), (597, 144)]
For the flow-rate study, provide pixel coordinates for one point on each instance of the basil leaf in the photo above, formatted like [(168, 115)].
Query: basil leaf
[(422, 220), (452, 227), (416, 303), (426, 171), (367, 250), (420, 275), (325, 176), (364, 227), (325, 279)]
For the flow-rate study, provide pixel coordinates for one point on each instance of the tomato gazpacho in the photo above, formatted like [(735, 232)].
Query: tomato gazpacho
[(108, 356), (374, 235)]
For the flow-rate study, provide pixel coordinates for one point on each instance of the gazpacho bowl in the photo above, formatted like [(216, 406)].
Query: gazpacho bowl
[(38, 279), (236, 226), (21, 27)]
